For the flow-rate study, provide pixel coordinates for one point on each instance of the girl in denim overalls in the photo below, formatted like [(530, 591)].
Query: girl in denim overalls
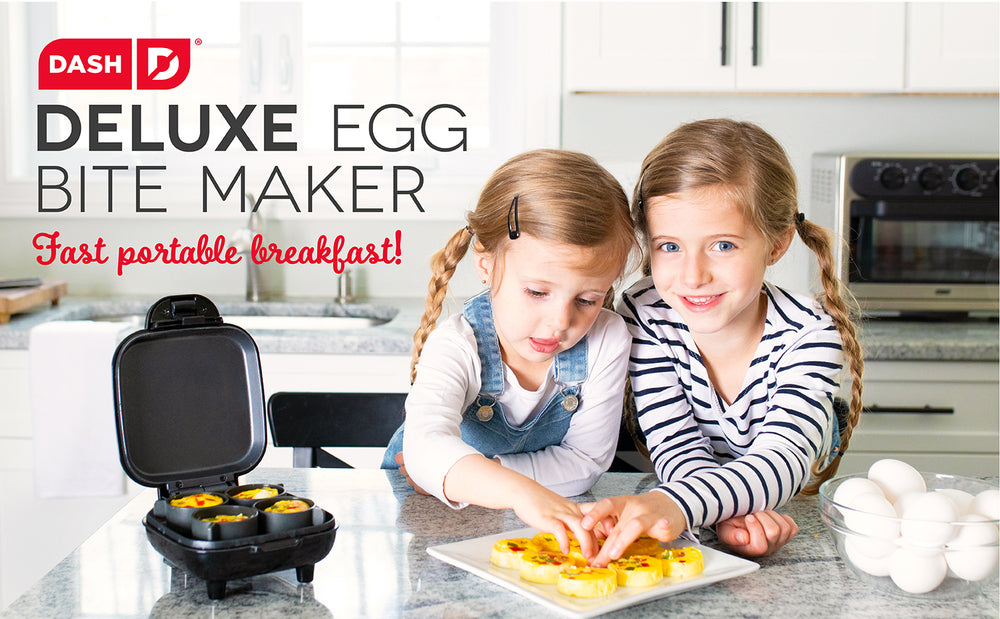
[(516, 401)]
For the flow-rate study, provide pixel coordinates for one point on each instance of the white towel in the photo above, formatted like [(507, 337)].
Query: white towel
[(72, 409)]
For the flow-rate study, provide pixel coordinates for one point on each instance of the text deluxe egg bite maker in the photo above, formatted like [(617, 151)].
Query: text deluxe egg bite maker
[(189, 409)]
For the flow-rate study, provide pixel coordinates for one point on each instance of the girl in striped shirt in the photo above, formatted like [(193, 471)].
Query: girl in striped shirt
[(733, 377)]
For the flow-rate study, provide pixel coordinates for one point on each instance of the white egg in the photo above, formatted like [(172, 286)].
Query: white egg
[(857, 550), (973, 553), (872, 515), (896, 477), (870, 547), (852, 487), (972, 564), (915, 571), (961, 499), (974, 530), (987, 503), (928, 520), (904, 501)]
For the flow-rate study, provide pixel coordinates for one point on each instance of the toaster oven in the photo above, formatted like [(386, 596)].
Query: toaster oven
[(915, 233)]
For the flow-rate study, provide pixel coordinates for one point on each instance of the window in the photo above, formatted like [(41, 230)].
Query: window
[(427, 94)]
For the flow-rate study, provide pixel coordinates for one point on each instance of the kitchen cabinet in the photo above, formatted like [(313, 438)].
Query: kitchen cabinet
[(822, 47), (726, 46), (953, 46), (23, 516), (939, 416), (15, 415)]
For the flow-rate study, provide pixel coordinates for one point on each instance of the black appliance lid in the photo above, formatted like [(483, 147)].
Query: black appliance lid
[(189, 398)]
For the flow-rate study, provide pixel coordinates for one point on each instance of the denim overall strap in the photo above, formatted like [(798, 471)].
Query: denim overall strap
[(570, 365), (479, 312)]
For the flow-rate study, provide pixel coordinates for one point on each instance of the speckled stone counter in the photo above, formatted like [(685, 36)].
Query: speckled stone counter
[(379, 567), (394, 336), (882, 339), (898, 340)]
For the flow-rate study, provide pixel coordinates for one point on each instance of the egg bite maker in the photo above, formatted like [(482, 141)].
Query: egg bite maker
[(189, 409)]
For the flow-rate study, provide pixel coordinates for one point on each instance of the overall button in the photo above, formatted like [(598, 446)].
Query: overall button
[(570, 402), (485, 413)]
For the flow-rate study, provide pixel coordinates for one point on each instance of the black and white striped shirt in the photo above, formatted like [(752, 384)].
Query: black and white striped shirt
[(718, 461)]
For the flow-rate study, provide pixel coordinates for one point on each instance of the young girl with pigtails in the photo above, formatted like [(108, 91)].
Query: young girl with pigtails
[(734, 378), (516, 401)]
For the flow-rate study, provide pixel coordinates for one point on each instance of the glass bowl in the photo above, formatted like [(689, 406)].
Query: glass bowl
[(914, 557)]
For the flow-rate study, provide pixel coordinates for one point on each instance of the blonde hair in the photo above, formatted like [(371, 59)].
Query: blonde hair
[(562, 197), (751, 170)]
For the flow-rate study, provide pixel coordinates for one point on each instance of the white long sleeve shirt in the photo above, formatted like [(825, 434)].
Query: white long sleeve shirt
[(448, 380), (716, 460)]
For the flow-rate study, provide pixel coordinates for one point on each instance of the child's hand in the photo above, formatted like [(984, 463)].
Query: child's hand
[(547, 511), (653, 513), (757, 534), (402, 469)]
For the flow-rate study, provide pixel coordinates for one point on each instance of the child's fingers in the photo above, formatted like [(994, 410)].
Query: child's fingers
[(605, 527), (768, 532), (596, 512), (626, 532), (587, 540), (732, 532)]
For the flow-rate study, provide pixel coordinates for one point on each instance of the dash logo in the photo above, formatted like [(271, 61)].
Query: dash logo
[(166, 63), (106, 64)]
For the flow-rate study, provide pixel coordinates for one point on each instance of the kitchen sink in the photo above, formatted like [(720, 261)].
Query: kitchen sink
[(271, 316), (271, 323)]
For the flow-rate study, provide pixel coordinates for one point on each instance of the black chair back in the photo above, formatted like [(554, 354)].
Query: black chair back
[(308, 421)]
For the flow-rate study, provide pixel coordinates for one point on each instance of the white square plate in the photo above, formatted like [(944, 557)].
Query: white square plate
[(473, 555)]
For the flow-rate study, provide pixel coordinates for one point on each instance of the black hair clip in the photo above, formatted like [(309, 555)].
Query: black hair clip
[(513, 229), (800, 217), (638, 201)]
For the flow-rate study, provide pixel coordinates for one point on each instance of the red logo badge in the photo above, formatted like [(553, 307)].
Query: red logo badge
[(162, 64), (86, 64), (106, 64)]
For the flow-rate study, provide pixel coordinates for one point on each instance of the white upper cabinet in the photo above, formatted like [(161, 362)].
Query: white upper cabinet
[(612, 46), (780, 47), (953, 46), (819, 46)]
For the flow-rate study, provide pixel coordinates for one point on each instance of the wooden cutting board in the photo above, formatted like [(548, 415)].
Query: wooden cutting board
[(14, 300)]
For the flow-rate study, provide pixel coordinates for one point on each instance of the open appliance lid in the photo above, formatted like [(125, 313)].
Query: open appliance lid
[(189, 398)]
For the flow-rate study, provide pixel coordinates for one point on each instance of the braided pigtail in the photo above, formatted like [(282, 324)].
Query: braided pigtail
[(817, 239), (443, 264)]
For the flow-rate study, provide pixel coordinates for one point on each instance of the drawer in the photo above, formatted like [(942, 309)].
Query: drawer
[(930, 407), (15, 406)]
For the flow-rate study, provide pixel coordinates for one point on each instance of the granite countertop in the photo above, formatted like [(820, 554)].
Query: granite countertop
[(881, 339), (395, 336), (379, 567)]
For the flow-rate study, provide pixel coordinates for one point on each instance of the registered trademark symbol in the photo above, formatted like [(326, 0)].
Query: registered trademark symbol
[(197, 41)]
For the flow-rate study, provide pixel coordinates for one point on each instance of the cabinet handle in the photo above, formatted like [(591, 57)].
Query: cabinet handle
[(725, 34), (255, 63), (927, 408), (755, 36), (284, 64)]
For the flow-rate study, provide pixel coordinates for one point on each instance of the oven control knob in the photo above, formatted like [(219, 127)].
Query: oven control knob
[(931, 178), (892, 177), (968, 178)]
